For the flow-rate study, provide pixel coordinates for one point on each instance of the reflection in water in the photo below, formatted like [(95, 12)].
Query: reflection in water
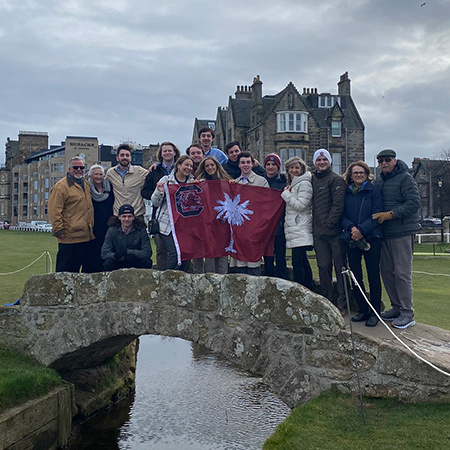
[(188, 398)]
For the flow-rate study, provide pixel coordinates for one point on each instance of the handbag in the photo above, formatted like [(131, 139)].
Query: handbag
[(153, 226)]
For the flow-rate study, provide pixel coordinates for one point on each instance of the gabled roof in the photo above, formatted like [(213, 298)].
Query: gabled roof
[(431, 167), (240, 109)]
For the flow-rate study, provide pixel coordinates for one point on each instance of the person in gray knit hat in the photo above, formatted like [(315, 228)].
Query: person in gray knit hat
[(400, 222)]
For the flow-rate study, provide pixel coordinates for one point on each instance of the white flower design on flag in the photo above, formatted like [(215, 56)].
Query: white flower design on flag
[(234, 213)]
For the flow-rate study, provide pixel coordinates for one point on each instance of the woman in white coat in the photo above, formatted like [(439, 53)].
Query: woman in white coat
[(298, 224)]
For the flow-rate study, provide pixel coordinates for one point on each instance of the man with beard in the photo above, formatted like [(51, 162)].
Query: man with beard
[(127, 181)]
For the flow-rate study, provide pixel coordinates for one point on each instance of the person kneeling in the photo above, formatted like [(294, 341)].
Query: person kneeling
[(126, 243)]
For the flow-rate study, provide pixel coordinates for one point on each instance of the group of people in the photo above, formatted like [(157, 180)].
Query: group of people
[(99, 222)]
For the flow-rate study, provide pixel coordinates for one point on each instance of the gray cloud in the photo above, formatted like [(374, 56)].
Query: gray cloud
[(143, 70)]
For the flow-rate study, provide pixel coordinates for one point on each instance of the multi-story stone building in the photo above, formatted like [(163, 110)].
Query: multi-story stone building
[(290, 123), (32, 169)]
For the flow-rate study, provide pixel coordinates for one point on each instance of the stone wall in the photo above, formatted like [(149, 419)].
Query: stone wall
[(291, 336)]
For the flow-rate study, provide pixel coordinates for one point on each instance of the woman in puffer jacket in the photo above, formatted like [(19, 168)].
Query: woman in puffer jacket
[(363, 237), (298, 220)]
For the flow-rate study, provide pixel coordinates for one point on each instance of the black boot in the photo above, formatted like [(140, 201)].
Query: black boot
[(361, 317)]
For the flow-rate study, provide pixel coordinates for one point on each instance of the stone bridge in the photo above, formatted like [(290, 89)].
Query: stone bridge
[(295, 339)]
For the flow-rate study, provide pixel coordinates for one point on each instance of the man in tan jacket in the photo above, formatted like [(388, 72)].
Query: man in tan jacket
[(72, 217), (127, 181)]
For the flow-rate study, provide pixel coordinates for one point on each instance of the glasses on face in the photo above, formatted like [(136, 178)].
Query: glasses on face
[(358, 174), (78, 167), (387, 159)]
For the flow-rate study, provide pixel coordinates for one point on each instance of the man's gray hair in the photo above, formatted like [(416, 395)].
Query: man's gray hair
[(96, 166), (75, 158)]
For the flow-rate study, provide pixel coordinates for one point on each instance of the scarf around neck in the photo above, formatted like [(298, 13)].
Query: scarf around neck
[(100, 196)]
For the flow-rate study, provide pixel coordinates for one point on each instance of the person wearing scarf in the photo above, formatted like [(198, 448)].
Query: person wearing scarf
[(102, 200)]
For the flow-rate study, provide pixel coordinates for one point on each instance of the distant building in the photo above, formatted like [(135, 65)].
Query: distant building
[(433, 179), (290, 123), (32, 169)]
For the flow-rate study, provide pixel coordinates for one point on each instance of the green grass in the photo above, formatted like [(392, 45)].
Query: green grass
[(17, 250), (333, 421), (21, 379)]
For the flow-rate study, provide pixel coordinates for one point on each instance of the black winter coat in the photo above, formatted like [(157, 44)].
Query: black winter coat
[(135, 245), (278, 182), (401, 196), (328, 203), (232, 169)]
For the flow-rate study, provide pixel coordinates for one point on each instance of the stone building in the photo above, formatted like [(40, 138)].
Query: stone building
[(32, 168), (290, 123), (433, 180)]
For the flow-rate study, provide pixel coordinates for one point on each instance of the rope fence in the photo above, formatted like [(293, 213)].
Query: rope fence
[(352, 276), (48, 264)]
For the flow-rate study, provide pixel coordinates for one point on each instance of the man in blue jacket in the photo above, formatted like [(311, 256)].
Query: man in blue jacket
[(400, 222)]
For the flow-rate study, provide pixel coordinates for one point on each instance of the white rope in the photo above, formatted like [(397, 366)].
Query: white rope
[(389, 329), (428, 273), (26, 267)]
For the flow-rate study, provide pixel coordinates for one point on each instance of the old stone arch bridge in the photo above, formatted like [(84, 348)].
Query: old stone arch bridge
[(289, 335)]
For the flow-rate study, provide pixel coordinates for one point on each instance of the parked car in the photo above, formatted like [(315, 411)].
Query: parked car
[(431, 222), (4, 224), (38, 223), (48, 227)]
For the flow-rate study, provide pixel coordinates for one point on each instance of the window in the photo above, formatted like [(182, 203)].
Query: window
[(35, 185), (286, 153), (336, 157), (46, 183), (46, 196), (35, 198), (212, 125), (328, 101), (336, 128), (294, 122)]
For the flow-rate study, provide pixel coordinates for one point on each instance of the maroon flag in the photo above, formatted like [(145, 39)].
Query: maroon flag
[(217, 218)]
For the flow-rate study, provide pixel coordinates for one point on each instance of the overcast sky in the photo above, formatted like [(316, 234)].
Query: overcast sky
[(143, 69)]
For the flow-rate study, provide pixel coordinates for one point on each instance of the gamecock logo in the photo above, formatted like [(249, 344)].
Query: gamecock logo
[(188, 200)]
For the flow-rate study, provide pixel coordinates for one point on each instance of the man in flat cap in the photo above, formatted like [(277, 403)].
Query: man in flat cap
[(400, 222), (126, 243)]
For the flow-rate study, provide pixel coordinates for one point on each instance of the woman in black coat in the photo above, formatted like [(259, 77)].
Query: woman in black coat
[(102, 200), (362, 236)]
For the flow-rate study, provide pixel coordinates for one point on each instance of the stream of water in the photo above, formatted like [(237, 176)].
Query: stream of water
[(186, 398)]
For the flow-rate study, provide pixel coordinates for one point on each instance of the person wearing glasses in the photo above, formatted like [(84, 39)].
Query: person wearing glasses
[(362, 236), (400, 221), (72, 218)]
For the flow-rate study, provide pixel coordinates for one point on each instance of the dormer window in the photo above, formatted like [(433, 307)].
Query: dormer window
[(328, 101), (293, 122)]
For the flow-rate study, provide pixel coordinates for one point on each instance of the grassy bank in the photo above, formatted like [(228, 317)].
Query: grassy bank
[(21, 379), (333, 422)]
